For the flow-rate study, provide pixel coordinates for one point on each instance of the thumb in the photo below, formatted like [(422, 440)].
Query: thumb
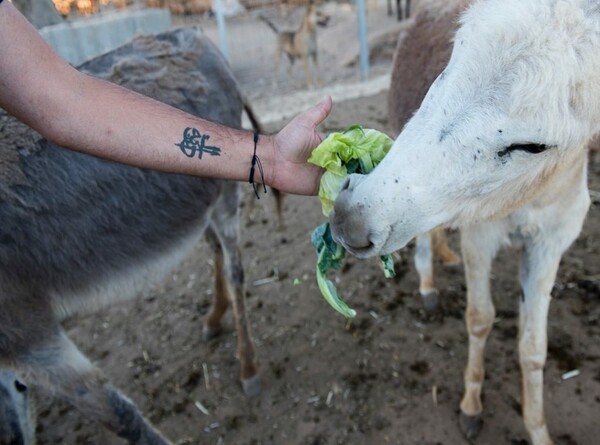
[(319, 112)]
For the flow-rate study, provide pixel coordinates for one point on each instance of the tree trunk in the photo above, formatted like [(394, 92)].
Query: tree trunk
[(39, 12)]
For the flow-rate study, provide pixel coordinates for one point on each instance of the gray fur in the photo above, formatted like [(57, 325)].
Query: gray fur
[(77, 231)]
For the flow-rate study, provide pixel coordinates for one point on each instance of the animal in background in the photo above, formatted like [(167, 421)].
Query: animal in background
[(402, 9), (296, 34), (423, 51)]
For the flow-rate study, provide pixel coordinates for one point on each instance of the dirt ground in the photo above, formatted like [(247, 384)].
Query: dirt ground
[(393, 375), (326, 381)]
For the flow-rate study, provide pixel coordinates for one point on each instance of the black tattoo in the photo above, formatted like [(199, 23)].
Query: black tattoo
[(194, 142)]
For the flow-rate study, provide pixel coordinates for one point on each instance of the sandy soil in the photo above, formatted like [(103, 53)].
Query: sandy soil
[(326, 381)]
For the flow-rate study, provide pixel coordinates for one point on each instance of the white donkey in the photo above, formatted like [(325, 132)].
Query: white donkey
[(497, 148)]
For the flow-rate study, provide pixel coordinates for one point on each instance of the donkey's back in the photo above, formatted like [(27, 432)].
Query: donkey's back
[(77, 231)]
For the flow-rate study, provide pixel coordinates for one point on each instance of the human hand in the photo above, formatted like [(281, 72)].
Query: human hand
[(292, 146)]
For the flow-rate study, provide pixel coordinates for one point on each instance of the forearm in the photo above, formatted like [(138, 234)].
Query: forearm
[(94, 116), (108, 121)]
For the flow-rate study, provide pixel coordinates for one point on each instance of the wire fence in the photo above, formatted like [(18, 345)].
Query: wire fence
[(251, 44), (321, 42)]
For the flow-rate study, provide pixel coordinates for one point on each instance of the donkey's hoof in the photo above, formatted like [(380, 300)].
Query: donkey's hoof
[(208, 333), (470, 425), (431, 300), (251, 387)]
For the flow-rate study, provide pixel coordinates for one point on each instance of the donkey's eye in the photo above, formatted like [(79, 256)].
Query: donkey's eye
[(529, 148)]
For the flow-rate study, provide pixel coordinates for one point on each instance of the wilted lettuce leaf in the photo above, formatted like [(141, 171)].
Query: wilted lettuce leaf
[(339, 153), (330, 256), (354, 151), (329, 189), (387, 263)]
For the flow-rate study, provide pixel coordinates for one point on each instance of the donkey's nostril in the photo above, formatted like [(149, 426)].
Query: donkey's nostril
[(367, 243), (20, 387), (345, 185)]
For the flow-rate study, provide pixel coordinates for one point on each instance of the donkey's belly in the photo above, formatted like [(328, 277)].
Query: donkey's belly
[(84, 231), (126, 283)]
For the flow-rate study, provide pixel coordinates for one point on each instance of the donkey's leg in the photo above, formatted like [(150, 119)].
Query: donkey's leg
[(442, 250), (228, 281), (220, 302), (478, 249), (278, 196), (538, 272), (315, 65), (543, 250), (426, 270), (60, 367), (277, 55), (429, 246), (407, 15), (307, 72), (245, 346), (225, 225)]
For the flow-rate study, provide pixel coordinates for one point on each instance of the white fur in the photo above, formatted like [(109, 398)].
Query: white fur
[(516, 67), (521, 72)]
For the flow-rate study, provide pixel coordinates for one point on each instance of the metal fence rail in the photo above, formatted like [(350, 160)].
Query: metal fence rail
[(250, 45)]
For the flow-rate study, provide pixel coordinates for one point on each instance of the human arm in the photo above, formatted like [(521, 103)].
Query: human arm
[(87, 114)]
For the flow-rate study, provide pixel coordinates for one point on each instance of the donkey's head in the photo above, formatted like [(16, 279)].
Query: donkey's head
[(514, 109)]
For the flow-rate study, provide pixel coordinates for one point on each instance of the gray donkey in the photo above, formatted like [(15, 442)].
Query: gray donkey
[(77, 232)]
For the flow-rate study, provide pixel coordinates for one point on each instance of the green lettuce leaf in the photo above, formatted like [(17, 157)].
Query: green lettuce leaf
[(329, 189), (387, 263), (330, 256), (353, 151)]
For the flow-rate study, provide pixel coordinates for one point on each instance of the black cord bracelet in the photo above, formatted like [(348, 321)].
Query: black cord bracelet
[(255, 162)]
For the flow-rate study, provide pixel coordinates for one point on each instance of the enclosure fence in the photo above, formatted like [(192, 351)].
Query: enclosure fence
[(275, 47), (249, 32)]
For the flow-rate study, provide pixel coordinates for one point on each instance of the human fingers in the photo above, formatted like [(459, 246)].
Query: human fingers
[(322, 136), (318, 113)]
